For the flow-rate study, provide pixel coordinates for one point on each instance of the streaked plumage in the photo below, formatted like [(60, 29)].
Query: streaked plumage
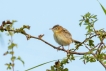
[(62, 36)]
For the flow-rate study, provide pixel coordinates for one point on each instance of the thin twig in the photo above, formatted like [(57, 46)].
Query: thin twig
[(12, 54), (96, 58)]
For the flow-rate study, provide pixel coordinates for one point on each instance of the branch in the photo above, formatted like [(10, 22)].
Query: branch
[(28, 36), (96, 58)]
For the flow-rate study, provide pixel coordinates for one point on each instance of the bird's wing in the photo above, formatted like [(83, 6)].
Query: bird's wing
[(68, 34)]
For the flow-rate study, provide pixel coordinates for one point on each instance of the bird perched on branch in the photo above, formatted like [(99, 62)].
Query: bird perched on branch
[(62, 36)]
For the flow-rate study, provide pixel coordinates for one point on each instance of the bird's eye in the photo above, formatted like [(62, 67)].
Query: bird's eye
[(56, 28)]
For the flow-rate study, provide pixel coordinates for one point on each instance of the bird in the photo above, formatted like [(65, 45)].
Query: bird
[(62, 36)]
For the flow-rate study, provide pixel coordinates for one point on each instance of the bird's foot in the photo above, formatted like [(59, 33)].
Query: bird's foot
[(68, 51), (62, 47), (58, 48)]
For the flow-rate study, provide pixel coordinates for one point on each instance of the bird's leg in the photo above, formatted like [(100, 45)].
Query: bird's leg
[(58, 48), (62, 47), (68, 49)]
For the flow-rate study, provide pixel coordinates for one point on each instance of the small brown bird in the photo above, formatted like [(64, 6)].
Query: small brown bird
[(62, 36)]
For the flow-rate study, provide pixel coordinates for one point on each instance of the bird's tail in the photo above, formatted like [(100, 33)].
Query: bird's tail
[(76, 41)]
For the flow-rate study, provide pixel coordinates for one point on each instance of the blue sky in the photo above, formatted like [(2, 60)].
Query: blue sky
[(42, 15)]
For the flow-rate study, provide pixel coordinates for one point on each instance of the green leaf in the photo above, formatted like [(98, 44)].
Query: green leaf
[(11, 52), (52, 68), (72, 58), (65, 69), (19, 58), (87, 27), (80, 23), (10, 33), (40, 65), (64, 61), (92, 59), (104, 62), (12, 45), (8, 66), (13, 58), (102, 7), (13, 21), (91, 43), (88, 14)]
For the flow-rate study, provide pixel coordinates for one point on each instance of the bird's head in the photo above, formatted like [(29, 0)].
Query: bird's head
[(57, 28)]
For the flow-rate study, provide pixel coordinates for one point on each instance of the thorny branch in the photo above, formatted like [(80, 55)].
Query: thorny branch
[(28, 36), (96, 57)]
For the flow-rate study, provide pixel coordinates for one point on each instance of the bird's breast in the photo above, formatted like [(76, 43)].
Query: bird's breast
[(62, 39)]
